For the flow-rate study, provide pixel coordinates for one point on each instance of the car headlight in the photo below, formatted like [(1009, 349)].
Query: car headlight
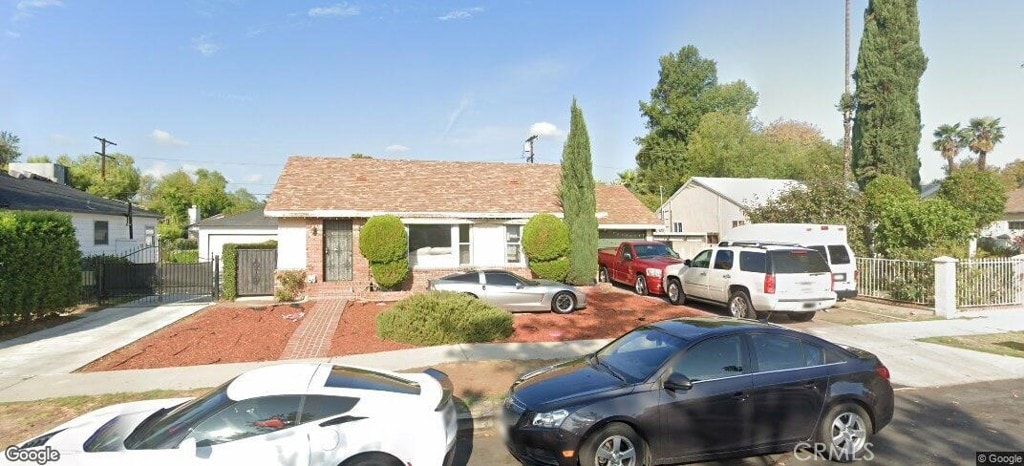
[(550, 420), (653, 272)]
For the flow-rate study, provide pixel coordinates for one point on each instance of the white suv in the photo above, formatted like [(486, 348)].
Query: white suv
[(753, 279)]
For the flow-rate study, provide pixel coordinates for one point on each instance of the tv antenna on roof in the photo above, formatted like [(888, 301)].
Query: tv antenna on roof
[(528, 148)]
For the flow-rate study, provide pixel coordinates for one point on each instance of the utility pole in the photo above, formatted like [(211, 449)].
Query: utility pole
[(529, 148), (103, 155), (847, 102)]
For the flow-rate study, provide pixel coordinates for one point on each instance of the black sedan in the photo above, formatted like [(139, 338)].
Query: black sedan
[(695, 389)]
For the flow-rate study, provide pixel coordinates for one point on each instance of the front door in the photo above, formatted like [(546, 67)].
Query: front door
[(337, 250)]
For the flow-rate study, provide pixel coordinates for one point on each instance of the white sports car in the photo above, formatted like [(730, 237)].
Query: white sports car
[(288, 414)]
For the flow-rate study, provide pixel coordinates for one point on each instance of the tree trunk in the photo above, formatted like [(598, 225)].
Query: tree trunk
[(950, 165), (981, 160)]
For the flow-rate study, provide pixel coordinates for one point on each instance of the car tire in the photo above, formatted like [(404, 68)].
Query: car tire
[(615, 438), (640, 285), (801, 316), (674, 291), (372, 459), (563, 302), (471, 295), (739, 305), (846, 430), (602, 275)]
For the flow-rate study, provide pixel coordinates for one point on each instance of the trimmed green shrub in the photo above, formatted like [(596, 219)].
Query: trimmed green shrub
[(291, 283), (443, 317), (183, 256), (179, 244), (40, 265), (551, 270), (385, 244), (383, 239), (545, 238), (90, 262), (390, 274), (229, 265)]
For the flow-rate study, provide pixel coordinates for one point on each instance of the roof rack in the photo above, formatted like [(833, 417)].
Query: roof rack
[(757, 244)]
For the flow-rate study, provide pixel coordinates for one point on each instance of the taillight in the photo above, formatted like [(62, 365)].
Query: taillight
[(769, 283), (832, 284), (856, 276), (882, 371)]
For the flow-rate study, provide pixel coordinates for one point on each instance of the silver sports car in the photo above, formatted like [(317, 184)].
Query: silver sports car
[(512, 292)]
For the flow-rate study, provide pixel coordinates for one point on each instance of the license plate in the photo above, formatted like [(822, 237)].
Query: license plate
[(809, 305)]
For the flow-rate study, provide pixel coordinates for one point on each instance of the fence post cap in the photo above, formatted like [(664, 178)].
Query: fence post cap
[(945, 260)]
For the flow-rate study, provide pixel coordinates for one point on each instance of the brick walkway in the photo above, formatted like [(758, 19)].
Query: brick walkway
[(313, 337)]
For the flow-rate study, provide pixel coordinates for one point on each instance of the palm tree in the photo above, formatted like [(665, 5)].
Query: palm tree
[(984, 134), (949, 141)]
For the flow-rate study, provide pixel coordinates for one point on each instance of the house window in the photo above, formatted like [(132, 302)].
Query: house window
[(150, 236), (513, 244), (1018, 225), (464, 256), (430, 239), (100, 232), (677, 227), (736, 223), (712, 238)]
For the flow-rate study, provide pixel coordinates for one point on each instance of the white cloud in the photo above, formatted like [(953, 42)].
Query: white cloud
[(12, 34), (464, 13), (338, 9), (546, 130), (163, 137), (204, 45), (27, 8), (157, 170), (396, 148), (454, 116), (255, 177)]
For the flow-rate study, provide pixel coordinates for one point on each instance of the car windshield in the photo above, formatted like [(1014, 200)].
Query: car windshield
[(166, 429), (654, 250), (638, 354)]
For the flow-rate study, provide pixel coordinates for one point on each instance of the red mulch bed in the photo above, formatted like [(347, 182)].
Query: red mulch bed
[(220, 334), (610, 312)]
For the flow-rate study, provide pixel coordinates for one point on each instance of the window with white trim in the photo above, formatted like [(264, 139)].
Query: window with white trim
[(464, 254), (101, 231), (513, 244), (430, 239), (1017, 225), (677, 227)]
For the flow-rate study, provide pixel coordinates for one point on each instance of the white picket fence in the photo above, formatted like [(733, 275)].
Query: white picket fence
[(978, 283)]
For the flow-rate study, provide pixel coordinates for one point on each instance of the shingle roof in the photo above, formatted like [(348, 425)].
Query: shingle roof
[(322, 186), (1015, 201), (746, 192), (18, 193), (252, 219)]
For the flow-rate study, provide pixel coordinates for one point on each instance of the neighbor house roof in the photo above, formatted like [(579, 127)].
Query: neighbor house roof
[(744, 192), (362, 187), (1015, 201), (251, 219), (32, 193)]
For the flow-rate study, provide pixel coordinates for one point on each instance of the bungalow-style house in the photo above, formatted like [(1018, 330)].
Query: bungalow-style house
[(244, 228), (1005, 230), (458, 215), (704, 209), (102, 226)]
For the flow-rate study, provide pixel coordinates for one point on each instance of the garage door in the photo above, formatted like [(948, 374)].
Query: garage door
[(611, 238)]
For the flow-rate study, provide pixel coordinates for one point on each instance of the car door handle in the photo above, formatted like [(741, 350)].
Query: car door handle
[(740, 396), (703, 274), (810, 385), (726, 276)]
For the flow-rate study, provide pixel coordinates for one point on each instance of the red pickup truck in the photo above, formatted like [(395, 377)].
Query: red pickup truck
[(639, 264)]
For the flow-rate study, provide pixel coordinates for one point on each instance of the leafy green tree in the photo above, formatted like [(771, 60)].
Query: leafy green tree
[(687, 89), (578, 200), (923, 228), (886, 191), (10, 148), (983, 135), (39, 159), (122, 181), (727, 145), (631, 180), (980, 193), (1013, 174), (949, 141), (241, 200), (887, 125), (800, 151)]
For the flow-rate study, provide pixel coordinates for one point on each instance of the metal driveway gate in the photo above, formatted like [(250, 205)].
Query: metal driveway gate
[(142, 276), (256, 271)]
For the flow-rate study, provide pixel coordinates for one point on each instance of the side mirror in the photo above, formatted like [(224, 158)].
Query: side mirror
[(627, 256), (519, 285), (677, 381), (188, 446), (686, 262)]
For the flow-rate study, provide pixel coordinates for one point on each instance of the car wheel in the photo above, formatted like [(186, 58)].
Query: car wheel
[(603, 276), (372, 459), (615, 445), (641, 285), (739, 305), (801, 316), (846, 429), (563, 303), (471, 295), (675, 292)]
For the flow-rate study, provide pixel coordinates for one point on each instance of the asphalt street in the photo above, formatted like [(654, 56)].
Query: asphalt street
[(932, 426)]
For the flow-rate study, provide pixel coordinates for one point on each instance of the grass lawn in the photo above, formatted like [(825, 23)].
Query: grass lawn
[(20, 421), (1006, 344)]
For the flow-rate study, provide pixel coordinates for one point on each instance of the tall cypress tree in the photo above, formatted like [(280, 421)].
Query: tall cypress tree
[(887, 127), (578, 201)]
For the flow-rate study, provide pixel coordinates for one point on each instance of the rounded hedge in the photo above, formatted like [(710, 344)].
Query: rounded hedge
[(390, 274), (443, 317), (383, 239), (551, 270), (545, 238)]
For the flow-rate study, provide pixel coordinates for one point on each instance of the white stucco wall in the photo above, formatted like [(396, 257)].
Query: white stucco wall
[(117, 233), (291, 244), (701, 211), (212, 240)]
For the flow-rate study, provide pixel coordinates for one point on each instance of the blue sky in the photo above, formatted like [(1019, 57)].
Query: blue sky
[(237, 85)]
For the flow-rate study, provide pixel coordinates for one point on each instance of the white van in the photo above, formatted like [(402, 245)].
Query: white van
[(829, 240)]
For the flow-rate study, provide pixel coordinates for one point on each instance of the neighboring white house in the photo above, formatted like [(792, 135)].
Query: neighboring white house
[(102, 226), (1012, 223), (704, 209), (243, 228)]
